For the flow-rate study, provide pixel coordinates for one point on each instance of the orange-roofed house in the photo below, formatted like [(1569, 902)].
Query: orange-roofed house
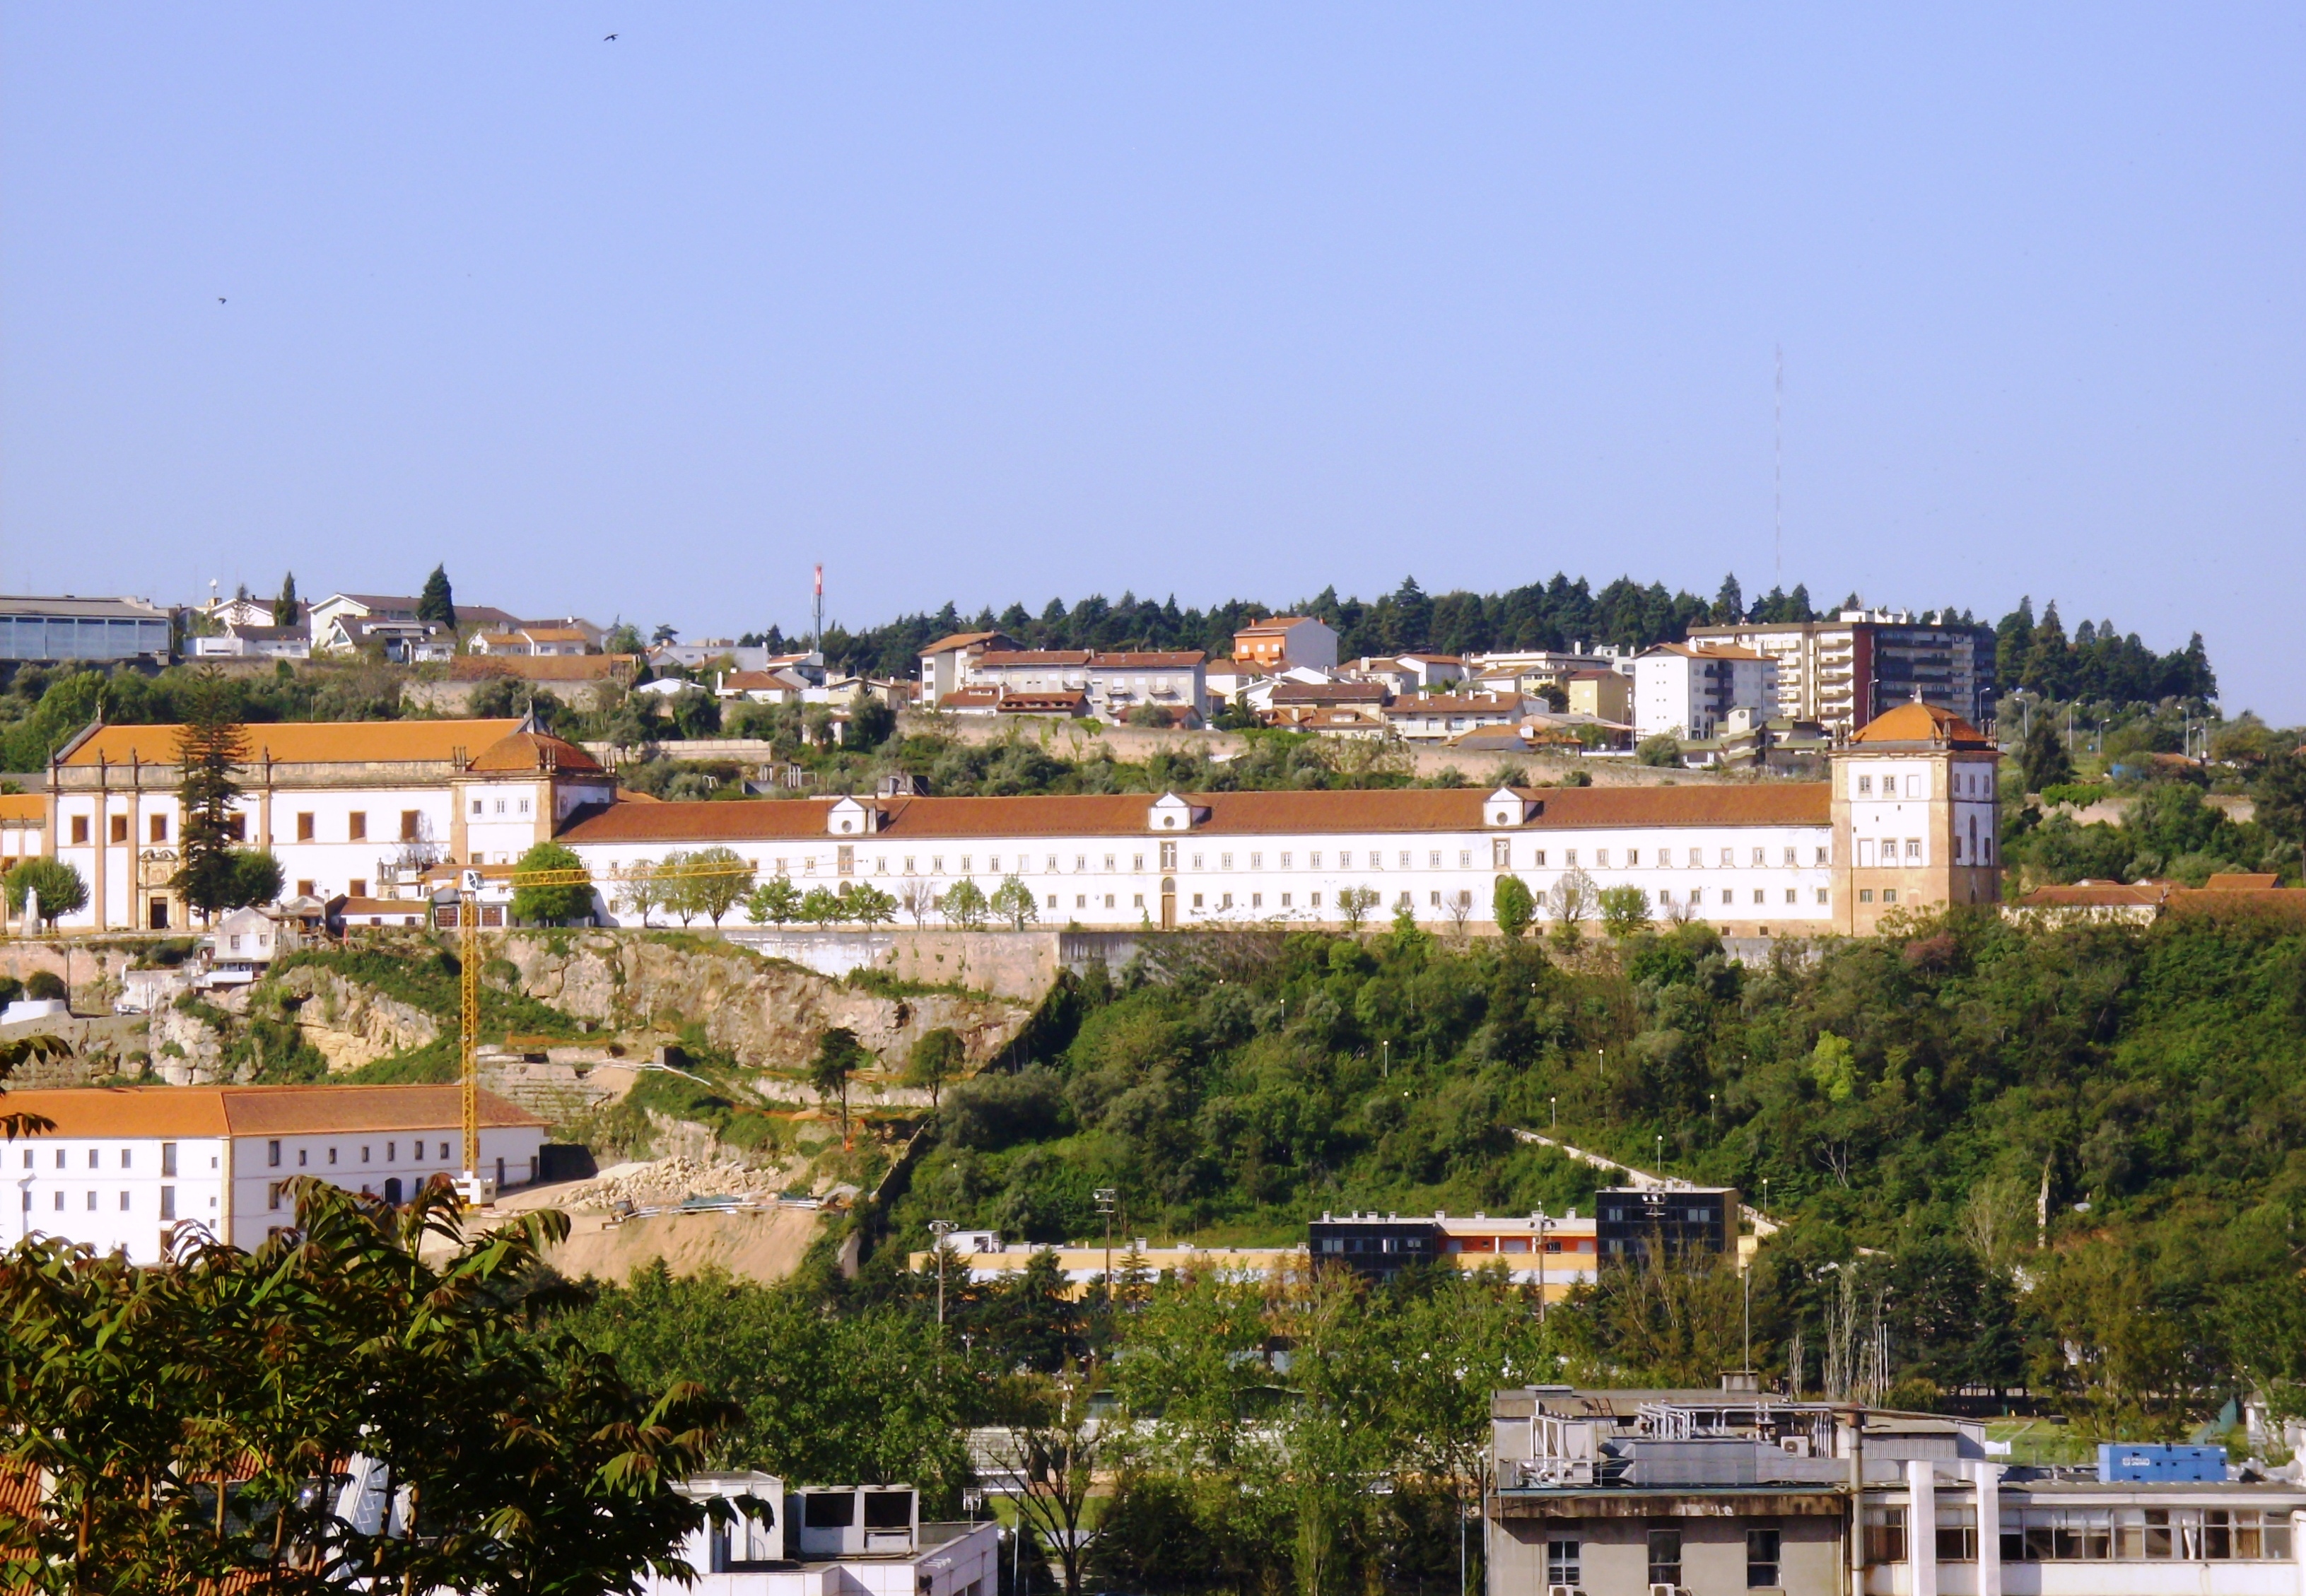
[(1280, 641), (125, 1165), (350, 808)]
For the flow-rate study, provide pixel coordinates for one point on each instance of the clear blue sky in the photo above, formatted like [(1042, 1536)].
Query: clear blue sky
[(995, 302)]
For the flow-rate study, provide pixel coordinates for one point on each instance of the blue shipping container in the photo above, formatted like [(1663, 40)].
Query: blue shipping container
[(2123, 1460)]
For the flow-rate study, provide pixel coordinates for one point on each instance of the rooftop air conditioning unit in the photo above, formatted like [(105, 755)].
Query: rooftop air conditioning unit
[(1665, 1591), (1563, 1591)]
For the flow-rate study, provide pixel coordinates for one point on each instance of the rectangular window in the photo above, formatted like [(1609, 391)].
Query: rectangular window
[(1889, 895), (92, 1202), (123, 1203), (356, 826), (1285, 861), (1404, 859), (357, 887), (1197, 862), (1792, 896), (410, 819), (168, 1160), (1197, 901), (1957, 1534), (1345, 858), (1665, 1557), (1137, 863), (1759, 857), (1080, 899), (272, 1195), (272, 1154), (80, 830), (1789, 858), (1137, 901), (1315, 859), (159, 828), (477, 807), (1864, 786), (1315, 900), (1465, 858), (1570, 858), (120, 828), (1885, 1534), (1257, 901), (1758, 895), (1761, 1559), (1225, 861), (304, 1158), (1285, 900), (391, 1151), (1601, 858), (1561, 1563), (1538, 858), (304, 825), (1824, 855), (168, 1202), (1256, 861), (1169, 856), (1729, 858), (1913, 850)]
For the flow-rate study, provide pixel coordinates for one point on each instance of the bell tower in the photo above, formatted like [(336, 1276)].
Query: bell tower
[(1915, 823)]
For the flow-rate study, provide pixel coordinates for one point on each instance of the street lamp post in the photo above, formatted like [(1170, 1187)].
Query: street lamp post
[(1105, 1200), (939, 1229), (1543, 1225)]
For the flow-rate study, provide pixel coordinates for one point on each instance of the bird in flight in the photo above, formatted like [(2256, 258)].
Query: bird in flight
[(609, 40), (219, 299)]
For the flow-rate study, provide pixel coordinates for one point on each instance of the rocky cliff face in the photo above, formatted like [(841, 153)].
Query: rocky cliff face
[(765, 1012), (352, 1024)]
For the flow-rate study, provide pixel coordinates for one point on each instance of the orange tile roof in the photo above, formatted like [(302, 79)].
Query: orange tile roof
[(1230, 814), (194, 1110), (1923, 723), (532, 751), (1272, 623), (962, 640), (2233, 881), (307, 742), (23, 807), (1157, 660), (1012, 659)]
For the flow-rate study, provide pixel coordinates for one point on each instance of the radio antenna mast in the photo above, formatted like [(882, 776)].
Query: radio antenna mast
[(1778, 475), (817, 613)]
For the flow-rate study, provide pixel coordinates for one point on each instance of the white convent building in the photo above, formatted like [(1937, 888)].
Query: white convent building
[(1907, 819)]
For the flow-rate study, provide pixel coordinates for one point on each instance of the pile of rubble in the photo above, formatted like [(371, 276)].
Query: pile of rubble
[(665, 1183)]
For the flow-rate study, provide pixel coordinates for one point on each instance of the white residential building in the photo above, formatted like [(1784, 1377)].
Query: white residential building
[(125, 1165), (827, 1540), (1687, 692), (1111, 685)]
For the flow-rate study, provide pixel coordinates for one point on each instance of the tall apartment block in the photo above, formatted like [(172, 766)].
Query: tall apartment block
[(1841, 673)]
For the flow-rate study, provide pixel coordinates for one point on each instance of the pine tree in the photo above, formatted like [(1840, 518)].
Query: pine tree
[(286, 610), (438, 603), (1729, 603), (210, 748)]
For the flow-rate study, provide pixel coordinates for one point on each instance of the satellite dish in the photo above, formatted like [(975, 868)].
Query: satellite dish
[(472, 881)]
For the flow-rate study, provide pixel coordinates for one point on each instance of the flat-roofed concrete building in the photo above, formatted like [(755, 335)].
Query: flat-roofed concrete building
[(1647, 1492), (123, 1166), (57, 630)]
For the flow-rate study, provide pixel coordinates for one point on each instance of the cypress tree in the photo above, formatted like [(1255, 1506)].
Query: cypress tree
[(436, 603), (210, 748), (285, 610)]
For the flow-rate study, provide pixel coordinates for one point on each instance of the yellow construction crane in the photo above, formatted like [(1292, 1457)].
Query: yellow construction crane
[(468, 956)]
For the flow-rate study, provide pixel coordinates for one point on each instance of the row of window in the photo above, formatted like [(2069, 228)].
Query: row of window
[(93, 1202), (127, 1158), (1764, 1549), (2093, 1535), (1966, 783), (307, 827), (1501, 857), (273, 1156)]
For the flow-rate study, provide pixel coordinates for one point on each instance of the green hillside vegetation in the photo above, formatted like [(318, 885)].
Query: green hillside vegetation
[(2167, 830), (1916, 1094)]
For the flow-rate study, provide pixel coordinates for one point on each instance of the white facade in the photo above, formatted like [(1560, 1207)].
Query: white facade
[(1891, 804), (1774, 873), (1687, 692), (114, 1185), (776, 1542)]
